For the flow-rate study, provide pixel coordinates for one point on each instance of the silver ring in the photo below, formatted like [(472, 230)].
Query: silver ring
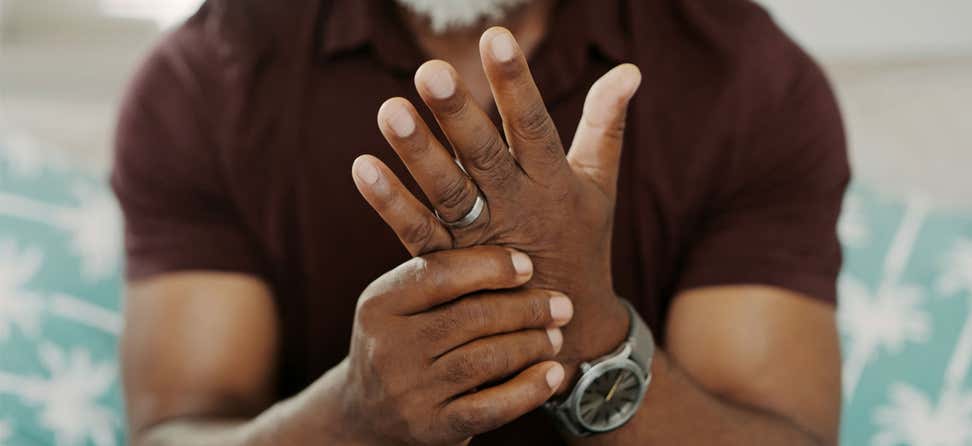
[(470, 216)]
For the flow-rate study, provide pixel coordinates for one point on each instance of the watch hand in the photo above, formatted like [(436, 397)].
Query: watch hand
[(614, 387)]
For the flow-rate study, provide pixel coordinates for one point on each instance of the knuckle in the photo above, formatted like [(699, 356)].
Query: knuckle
[(417, 232), (496, 259), (378, 364), (471, 421), (493, 269), (491, 361), (616, 130), (418, 269), (487, 154), (439, 327), (534, 124), (538, 312), (452, 108), (476, 314), (455, 192), (459, 370), (612, 129), (367, 308)]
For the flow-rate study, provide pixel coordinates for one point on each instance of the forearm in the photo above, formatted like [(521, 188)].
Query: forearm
[(287, 422), (678, 411)]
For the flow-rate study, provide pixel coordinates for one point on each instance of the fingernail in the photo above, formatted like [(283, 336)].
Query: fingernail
[(367, 172), (502, 46), (555, 376), (521, 263), (400, 121), (440, 84), (561, 309), (556, 338)]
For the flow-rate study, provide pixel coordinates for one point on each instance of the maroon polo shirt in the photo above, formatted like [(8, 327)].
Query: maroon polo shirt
[(236, 138)]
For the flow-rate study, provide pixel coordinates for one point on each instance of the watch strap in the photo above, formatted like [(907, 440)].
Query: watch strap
[(639, 346), (640, 339)]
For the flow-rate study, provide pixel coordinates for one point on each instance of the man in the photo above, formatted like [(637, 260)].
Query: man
[(254, 265)]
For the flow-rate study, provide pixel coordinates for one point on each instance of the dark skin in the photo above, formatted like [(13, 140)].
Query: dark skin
[(559, 209), (416, 353), (725, 376)]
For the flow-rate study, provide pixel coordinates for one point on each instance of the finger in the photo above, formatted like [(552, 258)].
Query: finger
[(475, 139), (491, 358), (411, 221), (448, 188), (596, 150), (487, 314), (440, 277), (491, 408), (532, 135)]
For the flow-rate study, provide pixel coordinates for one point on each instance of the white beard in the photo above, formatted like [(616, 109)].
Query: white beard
[(445, 15)]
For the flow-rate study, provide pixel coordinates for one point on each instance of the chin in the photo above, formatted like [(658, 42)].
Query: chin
[(458, 15)]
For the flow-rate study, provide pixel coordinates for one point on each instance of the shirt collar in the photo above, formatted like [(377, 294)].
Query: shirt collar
[(351, 24)]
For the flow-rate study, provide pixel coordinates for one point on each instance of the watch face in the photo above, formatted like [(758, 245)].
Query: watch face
[(611, 398)]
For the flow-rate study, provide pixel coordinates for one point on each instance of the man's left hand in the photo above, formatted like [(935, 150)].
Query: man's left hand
[(557, 208)]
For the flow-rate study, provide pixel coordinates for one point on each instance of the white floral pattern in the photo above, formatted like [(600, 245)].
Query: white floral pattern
[(957, 279), (24, 155), (59, 303), (94, 226), (901, 312), (912, 418), (18, 306), (875, 323), (853, 224), (67, 401), (5, 431)]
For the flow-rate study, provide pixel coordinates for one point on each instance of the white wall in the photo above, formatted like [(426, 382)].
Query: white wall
[(846, 29)]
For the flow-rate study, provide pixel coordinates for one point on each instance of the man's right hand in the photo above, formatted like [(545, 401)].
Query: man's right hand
[(444, 347), (425, 366)]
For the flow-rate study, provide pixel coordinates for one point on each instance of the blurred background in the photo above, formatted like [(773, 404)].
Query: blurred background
[(902, 70), (897, 64)]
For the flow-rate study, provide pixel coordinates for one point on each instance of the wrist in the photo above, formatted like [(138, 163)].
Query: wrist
[(342, 420), (317, 415), (597, 329)]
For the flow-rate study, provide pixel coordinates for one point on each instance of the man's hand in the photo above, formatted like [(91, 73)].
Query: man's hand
[(556, 208), (443, 348), (424, 365)]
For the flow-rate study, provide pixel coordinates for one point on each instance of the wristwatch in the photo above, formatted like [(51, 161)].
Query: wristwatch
[(610, 389)]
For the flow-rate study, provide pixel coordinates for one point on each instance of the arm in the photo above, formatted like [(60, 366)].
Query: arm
[(198, 356), (742, 365)]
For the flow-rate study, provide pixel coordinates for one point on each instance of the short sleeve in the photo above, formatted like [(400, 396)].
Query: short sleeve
[(167, 175), (774, 221)]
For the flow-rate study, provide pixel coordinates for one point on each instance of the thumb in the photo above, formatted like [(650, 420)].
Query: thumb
[(596, 150)]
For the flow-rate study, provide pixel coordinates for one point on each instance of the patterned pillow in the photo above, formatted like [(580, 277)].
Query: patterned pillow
[(906, 319), (59, 303)]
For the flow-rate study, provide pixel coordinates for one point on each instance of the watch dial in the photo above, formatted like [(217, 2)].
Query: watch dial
[(610, 400)]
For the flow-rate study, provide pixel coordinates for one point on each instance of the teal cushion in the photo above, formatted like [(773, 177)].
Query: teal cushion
[(59, 303), (905, 314)]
